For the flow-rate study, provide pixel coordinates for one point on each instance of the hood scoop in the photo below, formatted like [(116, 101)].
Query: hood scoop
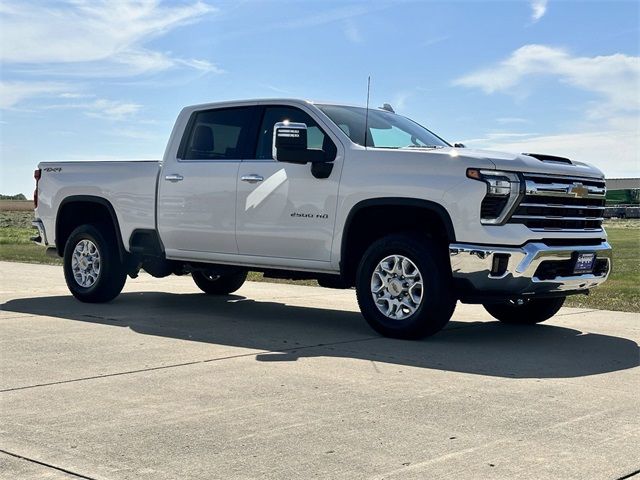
[(549, 158)]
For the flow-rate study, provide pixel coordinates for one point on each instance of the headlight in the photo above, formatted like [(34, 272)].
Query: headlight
[(503, 192)]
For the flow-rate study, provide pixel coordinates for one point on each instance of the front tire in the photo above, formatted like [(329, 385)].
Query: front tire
[(533, 311), (219, 284), (403, 286), (93, 269)]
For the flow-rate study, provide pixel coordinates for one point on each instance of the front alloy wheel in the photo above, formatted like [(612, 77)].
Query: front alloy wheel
[(396, 286), (403, 286)]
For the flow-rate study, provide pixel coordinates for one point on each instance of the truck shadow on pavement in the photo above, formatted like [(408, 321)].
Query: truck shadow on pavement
[(288, 333)]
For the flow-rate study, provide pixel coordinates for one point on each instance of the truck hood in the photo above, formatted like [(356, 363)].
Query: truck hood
[(526, 163)]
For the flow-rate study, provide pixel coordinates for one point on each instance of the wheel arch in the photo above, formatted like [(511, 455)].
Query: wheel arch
[(77, 210), (409, 214)]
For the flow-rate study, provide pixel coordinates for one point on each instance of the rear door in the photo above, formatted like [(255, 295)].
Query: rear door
[(283, 211), (197, 192)]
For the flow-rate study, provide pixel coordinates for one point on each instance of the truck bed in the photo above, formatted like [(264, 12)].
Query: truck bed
[(129, 186)]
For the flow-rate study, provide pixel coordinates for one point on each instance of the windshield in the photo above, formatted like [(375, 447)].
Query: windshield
[(385, 129)]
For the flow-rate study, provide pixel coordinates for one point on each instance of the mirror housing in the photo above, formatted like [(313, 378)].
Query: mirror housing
[(459, 145), (290, 144)]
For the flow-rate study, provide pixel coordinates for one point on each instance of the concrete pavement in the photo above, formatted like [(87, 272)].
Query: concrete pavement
[(283, 381)]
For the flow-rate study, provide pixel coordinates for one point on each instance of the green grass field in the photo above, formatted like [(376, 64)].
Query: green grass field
[(621, 292)]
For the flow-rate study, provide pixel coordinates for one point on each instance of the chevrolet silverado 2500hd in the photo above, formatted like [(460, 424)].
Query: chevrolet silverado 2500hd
[(346, 195)]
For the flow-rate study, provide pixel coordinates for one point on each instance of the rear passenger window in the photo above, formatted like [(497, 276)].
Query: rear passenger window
[(219, 134)]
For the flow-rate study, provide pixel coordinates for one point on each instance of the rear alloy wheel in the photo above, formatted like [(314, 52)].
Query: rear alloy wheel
[(93, 269), (403, 286), (224, 284), (528, 312), (85, 263)]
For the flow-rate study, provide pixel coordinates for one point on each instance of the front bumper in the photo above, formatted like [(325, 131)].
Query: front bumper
[(533, 269)]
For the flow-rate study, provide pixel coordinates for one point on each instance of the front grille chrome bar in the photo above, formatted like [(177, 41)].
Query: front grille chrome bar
[(558, 217), (557, 205), (566, 190), (560, 203)]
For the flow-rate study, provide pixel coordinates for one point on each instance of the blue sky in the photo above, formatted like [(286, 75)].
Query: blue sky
[(87, 79)]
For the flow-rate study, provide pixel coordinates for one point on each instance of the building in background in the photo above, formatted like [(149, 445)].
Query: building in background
[(623, 191), (623, 198)]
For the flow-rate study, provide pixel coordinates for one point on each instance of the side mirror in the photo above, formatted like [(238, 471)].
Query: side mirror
[(290, 144), (459, 145)]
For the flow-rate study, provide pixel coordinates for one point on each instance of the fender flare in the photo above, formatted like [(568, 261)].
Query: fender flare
[(90, 199), (434, 207)]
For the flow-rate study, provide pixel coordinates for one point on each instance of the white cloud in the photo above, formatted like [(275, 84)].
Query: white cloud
[(352, 32), (11, 93), (75, 95), (607, 135), (400, 99), (202, 65), (435, 40), (101, 108), (615, 77), (136, 134), (328, 16), (276, 89), (86, 35), (507, 135), (616, 151), (511, 120), (538, 9), (112, 109)]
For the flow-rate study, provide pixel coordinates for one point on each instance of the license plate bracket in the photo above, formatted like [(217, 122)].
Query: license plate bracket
[(584, 262)]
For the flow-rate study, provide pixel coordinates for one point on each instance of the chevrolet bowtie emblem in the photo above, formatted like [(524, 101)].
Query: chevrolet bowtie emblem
[(578, 190)]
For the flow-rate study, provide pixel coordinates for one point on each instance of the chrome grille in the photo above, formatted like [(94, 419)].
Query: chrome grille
[(552, 203)]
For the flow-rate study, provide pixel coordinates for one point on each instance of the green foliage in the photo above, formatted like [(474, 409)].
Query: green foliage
[(622, 290), (19, 196), (14, 219)]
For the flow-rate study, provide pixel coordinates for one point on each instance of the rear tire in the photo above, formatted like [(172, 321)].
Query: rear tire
[(219, 284), (93, 269), (534, 311), (403, 286)]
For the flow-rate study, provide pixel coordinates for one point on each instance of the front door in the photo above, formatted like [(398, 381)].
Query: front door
[(283, 211), (197, 192)]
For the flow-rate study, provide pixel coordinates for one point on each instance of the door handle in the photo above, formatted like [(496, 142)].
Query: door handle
[(174, 177), (253, 178)]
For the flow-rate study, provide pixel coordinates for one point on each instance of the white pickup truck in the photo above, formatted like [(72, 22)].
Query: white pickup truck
[(345, 195)]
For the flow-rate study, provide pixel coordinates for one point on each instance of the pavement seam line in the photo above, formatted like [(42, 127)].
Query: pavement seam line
[(48, 465), (632, 474), (582, 312), (26, 315), (184, 364)]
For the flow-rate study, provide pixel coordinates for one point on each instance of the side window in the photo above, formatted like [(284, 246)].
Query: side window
[(219, 134), (316, 138)]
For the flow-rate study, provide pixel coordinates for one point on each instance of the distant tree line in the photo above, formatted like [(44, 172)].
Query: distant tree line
[(19, 196)]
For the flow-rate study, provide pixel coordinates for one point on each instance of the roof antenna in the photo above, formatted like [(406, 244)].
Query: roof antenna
[(366, 116)]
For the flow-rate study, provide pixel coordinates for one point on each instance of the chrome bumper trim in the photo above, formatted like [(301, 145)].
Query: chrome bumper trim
[(474, 264)]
